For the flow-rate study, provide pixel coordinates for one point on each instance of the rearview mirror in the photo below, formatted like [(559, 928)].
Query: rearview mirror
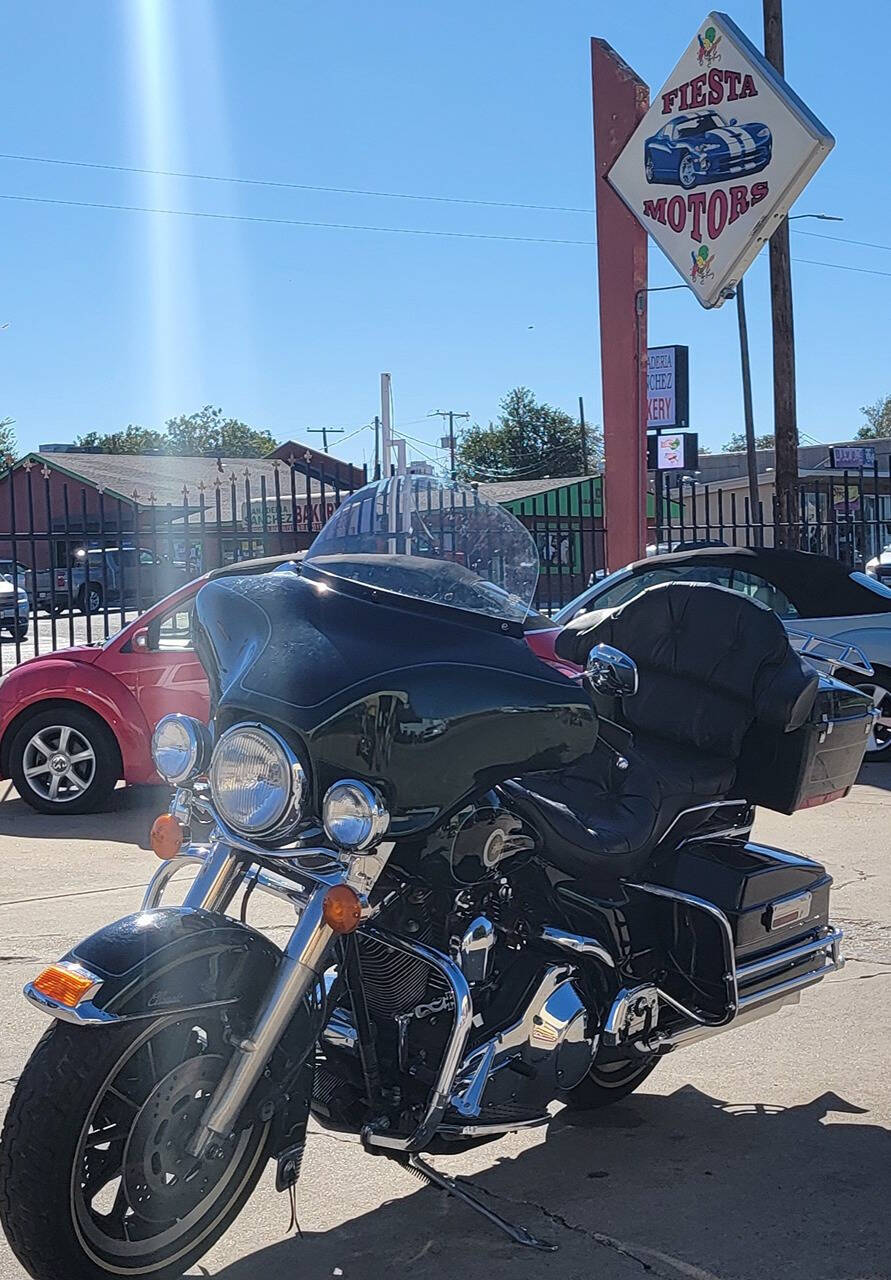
[(611, 671), (140, 639)]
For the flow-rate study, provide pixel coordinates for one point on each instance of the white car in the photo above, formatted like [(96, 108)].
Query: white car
[(15, 610), (810, 593)]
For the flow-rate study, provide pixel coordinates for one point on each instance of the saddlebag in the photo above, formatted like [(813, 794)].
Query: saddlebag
[(815, 763)]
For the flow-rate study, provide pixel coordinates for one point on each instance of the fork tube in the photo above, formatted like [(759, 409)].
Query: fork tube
[(302, 966), (215, 884)]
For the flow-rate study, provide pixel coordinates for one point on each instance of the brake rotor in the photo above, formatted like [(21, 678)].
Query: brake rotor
[(162, 1181)]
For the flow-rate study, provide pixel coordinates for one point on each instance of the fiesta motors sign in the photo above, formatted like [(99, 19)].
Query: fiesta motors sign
[(719, 158)]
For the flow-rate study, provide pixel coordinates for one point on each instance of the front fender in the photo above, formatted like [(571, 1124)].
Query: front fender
[(169, 960)]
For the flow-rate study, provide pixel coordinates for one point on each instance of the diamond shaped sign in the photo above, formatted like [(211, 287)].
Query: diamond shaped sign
[(719, 158)]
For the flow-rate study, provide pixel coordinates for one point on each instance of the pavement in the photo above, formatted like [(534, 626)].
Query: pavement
[(762, 1153)]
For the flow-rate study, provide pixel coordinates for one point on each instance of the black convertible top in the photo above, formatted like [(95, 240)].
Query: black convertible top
[(818, 586)]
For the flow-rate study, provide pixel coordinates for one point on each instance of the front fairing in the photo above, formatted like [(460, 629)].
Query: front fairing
[(428, 703)]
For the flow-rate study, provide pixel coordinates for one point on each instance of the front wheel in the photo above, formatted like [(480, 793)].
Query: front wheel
[(687, 172), (95, 1180)]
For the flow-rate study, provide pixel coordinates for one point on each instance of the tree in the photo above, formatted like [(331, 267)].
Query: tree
[(203, 434), (737, 443), (878, 420), (132, 439), (7, 441), (528, 442), (207, 432)]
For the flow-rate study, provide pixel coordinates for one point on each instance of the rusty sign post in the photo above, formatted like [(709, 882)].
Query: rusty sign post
[(621, 100)]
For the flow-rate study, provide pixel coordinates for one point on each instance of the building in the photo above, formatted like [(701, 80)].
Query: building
[(197, 510)]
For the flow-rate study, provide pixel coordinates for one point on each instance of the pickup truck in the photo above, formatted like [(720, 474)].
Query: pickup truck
[(129, 576)]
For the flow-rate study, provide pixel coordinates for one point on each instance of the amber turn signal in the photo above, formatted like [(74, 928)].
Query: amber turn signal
[(167, 836), (342, 910), (63, 986)]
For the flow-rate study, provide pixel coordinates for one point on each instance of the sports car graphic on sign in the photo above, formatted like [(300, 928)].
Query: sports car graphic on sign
[(702, 146)]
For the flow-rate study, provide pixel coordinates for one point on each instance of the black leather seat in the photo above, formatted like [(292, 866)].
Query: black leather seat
[(711, 663)]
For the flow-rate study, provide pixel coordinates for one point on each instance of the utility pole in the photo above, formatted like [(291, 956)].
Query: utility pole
[(377, 447), (751, 460), (784, 407), (323, 432), (451, 415), (584, 436), (385, 425)]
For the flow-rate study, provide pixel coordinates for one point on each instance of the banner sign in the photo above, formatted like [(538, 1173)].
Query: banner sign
[(719, 158), (668, 387), (674, 451), (852, 455)]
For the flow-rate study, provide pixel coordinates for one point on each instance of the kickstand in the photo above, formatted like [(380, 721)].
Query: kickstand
[(519, 1235)]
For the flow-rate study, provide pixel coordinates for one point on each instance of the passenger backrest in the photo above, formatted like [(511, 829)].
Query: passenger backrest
[(711, 663)]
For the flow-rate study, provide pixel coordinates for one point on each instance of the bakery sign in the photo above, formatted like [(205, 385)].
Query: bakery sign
[(719, 158)]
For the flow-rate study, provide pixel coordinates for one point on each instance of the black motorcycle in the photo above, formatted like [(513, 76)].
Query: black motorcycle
[(512, 887)]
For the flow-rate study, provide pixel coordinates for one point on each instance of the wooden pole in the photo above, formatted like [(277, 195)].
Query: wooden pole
[(748, 414), (584, 431), (784, 406), (621, 99)]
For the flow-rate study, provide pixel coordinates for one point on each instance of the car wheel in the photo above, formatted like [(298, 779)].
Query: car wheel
[(687, 172), (650, 169), (89, 598), (879, 689), (64, 760)]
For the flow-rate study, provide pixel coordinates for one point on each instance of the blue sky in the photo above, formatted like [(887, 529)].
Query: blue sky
[(117, 317)]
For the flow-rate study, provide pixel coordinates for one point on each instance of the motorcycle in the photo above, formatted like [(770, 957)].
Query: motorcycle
[(512, 886)]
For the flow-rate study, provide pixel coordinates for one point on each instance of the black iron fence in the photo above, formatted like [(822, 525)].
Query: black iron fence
[(843, 514), (78, 560)]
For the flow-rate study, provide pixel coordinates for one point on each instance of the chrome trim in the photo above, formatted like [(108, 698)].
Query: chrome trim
[(448, 1070), (577, 943), (339, 1031), (620, 1009), (852, 657), (729, 975), (475, 949), (200, 746), (831, 938), (190, 855), (698, 808), (216, 883), (489, 1130)]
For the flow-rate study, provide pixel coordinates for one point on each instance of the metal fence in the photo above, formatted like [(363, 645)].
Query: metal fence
[(80, 560), (843, 514)]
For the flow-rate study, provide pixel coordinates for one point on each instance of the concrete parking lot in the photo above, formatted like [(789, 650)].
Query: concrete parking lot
[(763, 1153)]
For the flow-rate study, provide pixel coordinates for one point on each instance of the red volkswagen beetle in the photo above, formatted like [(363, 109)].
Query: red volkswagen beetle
[(74, 722)]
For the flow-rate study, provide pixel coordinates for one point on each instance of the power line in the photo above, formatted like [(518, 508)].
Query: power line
[(821, 235), (291, 186), (283, 222), (350, 226)]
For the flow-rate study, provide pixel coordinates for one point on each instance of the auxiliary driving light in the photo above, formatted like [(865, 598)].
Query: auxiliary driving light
[(180, 748), (354, 815)]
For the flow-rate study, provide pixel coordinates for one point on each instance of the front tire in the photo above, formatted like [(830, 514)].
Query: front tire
[(687, 171), (94, 1178), (64, 760)]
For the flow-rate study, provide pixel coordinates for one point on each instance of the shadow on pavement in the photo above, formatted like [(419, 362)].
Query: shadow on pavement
[(681, 1185), (128, 818), (876, 775)]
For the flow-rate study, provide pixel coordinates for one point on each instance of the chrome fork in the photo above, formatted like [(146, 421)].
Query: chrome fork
[(302, 966)]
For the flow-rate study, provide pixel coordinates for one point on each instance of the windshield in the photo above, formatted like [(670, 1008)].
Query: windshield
[(690, 128), (432, 540)]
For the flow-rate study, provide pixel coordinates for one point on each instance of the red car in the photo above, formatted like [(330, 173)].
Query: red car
[(74, 722)]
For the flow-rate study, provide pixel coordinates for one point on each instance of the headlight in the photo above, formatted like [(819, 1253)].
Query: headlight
[(354, 815), (180, 748), (256, 781)]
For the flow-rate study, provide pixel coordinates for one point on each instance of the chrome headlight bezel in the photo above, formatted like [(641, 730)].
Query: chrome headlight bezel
[(195, 745), (289, 811), (373, 815)]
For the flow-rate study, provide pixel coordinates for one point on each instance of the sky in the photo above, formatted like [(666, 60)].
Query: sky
[(114, 316)]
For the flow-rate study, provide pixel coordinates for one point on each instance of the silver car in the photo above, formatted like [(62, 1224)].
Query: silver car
[(808, 592)]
